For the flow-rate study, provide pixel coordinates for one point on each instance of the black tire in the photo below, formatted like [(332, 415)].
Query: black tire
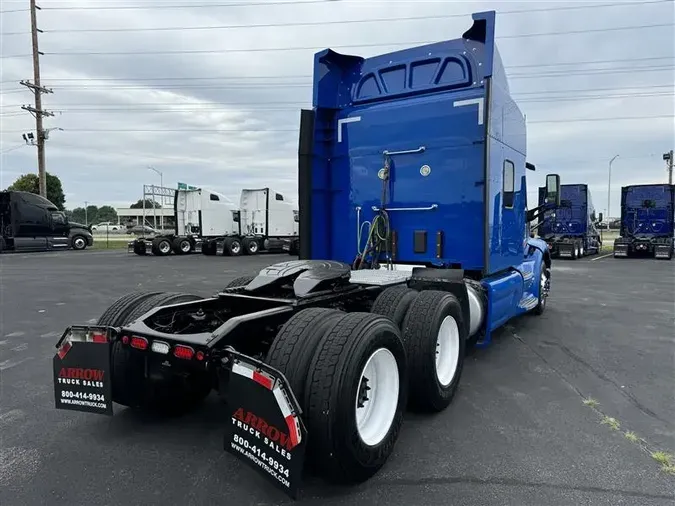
[(250, 246), (240, 281), (209, 247), (296, 342), (139, 247), (541, 304), (78, 242), (181, 245), (393, 303), (334, 380), (160, 299), (116, 314), (232, 247), (161, 246), (421, 328)]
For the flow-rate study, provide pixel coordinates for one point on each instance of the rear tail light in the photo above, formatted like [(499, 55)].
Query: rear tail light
[(140, 343), (160, 347), (184, 352), (82, 335), (98, 337)]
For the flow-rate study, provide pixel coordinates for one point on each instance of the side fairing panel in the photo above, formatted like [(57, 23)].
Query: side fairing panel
[(507, 150)]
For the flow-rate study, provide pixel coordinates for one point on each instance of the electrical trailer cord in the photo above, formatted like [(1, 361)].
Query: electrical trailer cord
[(379, 233)]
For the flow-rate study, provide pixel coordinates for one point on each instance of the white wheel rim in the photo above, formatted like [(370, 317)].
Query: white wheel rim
[(542, 288), (185, 246), (377, 397), (447, 351), (164, 247), (79, 242), (236, 247), (581, 250), (253, 247)]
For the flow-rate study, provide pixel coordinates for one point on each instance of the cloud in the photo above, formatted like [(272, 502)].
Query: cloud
[(219, 119)]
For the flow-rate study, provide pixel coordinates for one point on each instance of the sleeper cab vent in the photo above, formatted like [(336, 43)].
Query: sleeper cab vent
[(423, 76)]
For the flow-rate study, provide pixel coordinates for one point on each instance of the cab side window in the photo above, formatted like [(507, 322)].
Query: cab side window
[(509, 184)]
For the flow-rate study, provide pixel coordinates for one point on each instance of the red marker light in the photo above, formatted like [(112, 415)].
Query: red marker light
[(97, 337), (184, 352), (140, 343), (125, 340), (199, 355)]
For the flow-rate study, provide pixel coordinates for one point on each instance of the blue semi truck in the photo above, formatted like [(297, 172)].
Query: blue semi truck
[(647, 217), (570, 229), (414, 247)]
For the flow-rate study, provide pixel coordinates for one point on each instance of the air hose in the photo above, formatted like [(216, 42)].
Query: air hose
[(379, 231)]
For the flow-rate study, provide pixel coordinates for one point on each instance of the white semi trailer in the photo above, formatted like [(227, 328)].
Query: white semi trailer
[(210, 223)]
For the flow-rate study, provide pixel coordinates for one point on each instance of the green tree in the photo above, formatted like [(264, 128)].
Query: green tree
[(77, 215), (92, 215), (107, 213), (31, 183), (149, 204)]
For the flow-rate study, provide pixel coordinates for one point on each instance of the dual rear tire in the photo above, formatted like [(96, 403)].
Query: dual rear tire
[(354, 374), (349, 374)]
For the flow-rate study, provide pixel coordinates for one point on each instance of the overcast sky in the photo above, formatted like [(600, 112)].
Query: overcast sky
[(229, 105)]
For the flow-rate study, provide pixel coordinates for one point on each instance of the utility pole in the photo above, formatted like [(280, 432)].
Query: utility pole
[(668, 157), (37, 90)]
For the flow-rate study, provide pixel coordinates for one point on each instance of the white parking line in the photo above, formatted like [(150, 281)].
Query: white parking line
[(603, 256)]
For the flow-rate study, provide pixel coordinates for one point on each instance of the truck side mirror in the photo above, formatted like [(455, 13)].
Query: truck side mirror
[(600, 218), (553, 189)]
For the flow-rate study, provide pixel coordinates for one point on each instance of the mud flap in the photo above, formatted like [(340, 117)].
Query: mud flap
[(82, 369), (264, 428)]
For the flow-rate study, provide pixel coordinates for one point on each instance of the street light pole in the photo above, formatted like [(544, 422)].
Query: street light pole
[(86, 220), (609, 188), (161, 186)]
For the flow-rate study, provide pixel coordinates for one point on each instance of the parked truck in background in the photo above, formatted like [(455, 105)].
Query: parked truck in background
[(647, 216), (414, 246), (570, 229), (208, 222), (29, 222)]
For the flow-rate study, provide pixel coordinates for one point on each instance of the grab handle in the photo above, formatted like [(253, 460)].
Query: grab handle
[(430, 208)]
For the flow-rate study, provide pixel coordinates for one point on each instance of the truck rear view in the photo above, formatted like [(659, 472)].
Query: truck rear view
[(569, 229), (647, 215)]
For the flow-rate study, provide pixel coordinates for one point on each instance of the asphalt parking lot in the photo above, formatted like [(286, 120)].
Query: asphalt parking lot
[(518, 433)]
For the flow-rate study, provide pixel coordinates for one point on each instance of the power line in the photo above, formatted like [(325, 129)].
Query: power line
[(277, 130), (183, 6), (332, 22), (14, 10), (362, 45), (268, 85), (176, 110), (266, 4), (308, 76), (529, 95)]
